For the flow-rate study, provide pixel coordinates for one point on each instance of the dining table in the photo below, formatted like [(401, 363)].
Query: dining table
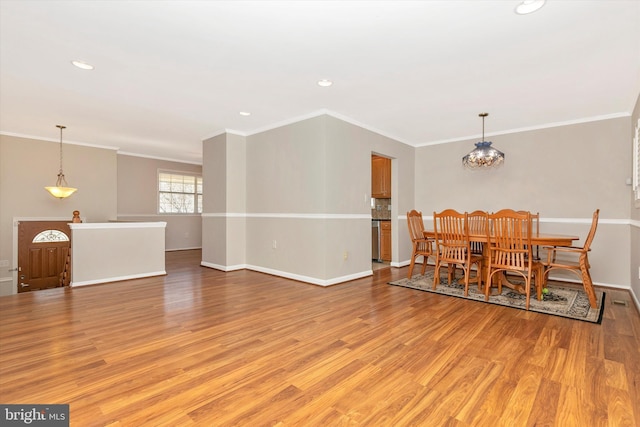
[(540, 239)]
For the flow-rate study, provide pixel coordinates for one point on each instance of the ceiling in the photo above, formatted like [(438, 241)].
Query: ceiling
[(169, 74)]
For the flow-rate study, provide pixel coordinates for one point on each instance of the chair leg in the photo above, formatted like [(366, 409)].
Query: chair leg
[(545, 276), (487, 285), (451, 270), (436, 274), (466, 269), (588, 286), (479, 276), (413, 261), (424, 264), (539, 282)]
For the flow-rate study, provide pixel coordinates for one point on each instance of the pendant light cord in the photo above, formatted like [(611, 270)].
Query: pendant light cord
[(483, 115), (60, 127)]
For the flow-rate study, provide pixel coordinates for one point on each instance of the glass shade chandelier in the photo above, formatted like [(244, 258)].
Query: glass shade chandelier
[(529, 6), (484, 155), (61, 189)]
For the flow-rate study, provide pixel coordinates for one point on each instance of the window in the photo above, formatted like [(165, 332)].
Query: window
[(636, 162), (50, 236), (179, 193)]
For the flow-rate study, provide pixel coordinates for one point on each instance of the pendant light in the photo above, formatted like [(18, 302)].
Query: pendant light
[(484, 155), (61, 190)]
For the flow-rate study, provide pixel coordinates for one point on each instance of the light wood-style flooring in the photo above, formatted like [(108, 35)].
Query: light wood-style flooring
[(200, 347)]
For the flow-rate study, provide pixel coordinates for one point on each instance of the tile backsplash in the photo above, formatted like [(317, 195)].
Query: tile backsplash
[(382, 209)]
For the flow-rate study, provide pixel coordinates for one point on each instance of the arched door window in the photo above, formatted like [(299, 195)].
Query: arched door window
[(50, 236)]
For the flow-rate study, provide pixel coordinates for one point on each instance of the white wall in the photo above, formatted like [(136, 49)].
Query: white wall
[(108, 252)]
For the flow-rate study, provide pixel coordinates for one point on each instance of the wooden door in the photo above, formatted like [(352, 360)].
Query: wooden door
[(43, 248), (385, 240), (380, 177)]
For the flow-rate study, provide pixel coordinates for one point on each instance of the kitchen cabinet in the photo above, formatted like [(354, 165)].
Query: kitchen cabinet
[(385, 240), (380, 177)]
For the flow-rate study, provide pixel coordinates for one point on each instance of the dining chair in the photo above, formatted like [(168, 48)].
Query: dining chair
[(510, 252), (535, 231), (421, 246), (453, 248), (477, 221), (579, 266)]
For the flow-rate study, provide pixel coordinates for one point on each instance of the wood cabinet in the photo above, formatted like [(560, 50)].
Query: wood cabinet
[(380, 177), (385, 240)]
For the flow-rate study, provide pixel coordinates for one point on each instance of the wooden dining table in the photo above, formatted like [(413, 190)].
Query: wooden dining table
[(541, 239), (537, 240)]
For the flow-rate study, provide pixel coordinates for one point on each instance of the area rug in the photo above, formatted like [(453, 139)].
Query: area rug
[(564, 301)]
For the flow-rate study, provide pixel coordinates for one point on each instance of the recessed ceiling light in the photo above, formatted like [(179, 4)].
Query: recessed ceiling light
[(325, 83), (529, 6), (245, 113), (83, 65)]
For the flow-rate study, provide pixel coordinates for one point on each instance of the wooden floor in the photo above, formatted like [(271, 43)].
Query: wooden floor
[(205, 348)]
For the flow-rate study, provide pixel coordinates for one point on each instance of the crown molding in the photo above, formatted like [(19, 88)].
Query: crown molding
[(57, 141), (530, 128)]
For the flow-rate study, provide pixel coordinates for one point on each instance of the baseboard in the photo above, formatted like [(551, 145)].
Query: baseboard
[(634, 297), (224, 268), (287, 275), (118, 278), (312, 280)]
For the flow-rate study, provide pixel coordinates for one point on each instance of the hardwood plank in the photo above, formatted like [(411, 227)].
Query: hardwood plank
[(545, 405), (203, 347)]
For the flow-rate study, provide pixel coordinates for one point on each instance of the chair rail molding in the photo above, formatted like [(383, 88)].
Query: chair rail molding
[(287, 215)]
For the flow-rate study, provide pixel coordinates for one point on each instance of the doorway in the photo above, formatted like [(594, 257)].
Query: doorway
[(381, 211), (44, 249)]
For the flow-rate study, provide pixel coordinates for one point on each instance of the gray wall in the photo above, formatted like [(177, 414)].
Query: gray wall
[(564, 173), (351, 147), (635, 222), (224, 214), (306, 186), (27, 166), (138, 199), (110, 187), (308, 190)]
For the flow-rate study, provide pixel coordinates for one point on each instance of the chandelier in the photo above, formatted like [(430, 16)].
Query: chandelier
[(484, 155), (61, 189)]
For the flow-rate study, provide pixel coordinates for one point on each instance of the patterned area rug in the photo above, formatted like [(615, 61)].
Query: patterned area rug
[(561, 300)]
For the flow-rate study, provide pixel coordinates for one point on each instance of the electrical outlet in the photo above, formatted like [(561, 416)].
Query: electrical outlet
[(638, 272), (346, 255), (274, 245)]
